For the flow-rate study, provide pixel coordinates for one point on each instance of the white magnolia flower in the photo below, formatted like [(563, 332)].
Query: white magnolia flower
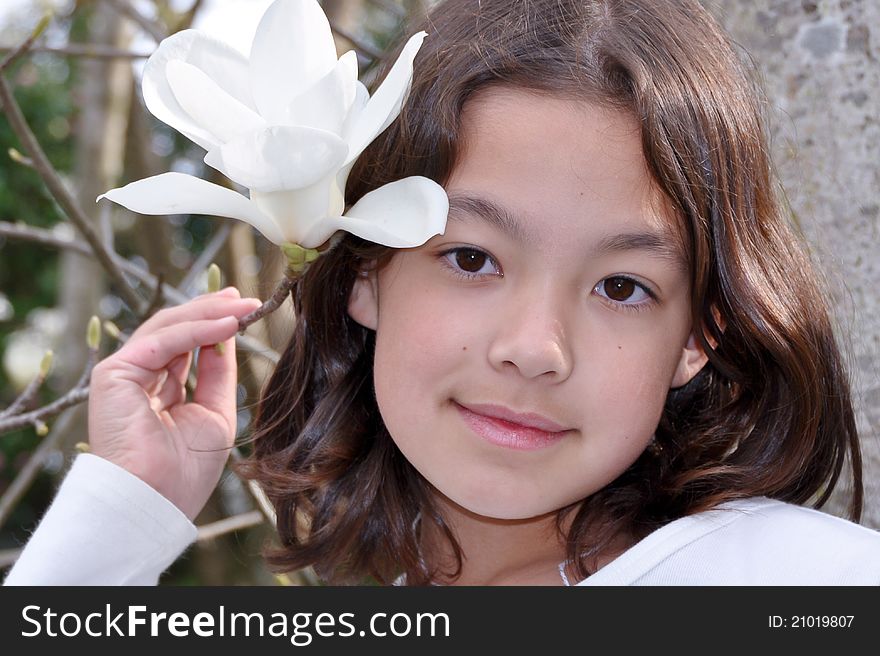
[(287, 124)]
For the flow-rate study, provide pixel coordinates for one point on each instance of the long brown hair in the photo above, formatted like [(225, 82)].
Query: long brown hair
[(770, 414)]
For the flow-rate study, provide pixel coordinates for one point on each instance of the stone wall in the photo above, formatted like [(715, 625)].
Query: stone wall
[(820, 62)]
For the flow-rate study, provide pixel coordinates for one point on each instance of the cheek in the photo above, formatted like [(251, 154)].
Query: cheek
[(636, 383), (422, 344)]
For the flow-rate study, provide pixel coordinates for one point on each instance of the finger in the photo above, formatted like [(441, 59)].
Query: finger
[(171, 393), (216, 378), (209, 306), (178, 368), (155, 351)]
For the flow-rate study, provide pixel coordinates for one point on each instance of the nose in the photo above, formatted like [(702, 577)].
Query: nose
[(531, 337)]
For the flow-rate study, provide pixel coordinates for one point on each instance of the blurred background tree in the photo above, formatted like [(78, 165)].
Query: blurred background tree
[(818, 60), (88, 114)]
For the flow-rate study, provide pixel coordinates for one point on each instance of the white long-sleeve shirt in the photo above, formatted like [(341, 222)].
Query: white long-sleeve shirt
[(104, 527), (107, 527)]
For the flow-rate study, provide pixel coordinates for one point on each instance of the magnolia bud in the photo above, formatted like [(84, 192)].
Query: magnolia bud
[(111, 329), (93, 333), (42, 25), (45, 364), (295, 253), (42, 428), (213, 278), (82, 447)]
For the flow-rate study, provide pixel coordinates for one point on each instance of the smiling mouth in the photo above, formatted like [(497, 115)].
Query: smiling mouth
[(508, 434)]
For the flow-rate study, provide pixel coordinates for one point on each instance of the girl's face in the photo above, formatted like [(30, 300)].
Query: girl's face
[(537, 300)]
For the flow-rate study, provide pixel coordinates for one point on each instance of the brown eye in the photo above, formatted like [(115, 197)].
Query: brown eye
[(619, 289), (470, 260), (471, 263), (625, 293)]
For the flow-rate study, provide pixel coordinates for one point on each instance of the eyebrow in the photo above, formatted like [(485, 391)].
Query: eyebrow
[(659, 245)]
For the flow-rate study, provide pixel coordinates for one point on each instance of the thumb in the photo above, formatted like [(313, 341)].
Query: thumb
[(216, 378)]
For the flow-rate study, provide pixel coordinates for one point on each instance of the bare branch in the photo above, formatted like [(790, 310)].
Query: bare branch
[(26, 397), (186, 20), (87, 50), (174, 295), (203, 261), (206, 532), (77, 394), (275, 301), (391, 7), (34, 464), (62, 195), (306, 575), (42, 236), (25, 45), (359, 44), (158, 300), (151, 27), (229, 524)]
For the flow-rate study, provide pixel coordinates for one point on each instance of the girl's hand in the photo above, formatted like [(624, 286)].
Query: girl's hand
[(139, 417)]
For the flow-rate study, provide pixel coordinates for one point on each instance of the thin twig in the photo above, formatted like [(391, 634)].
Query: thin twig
[(77, 394), (151, 27), (25, 45), (158, 300), (26, 232), (275, 301), (206, 533), (306, 575), (17, 489), (229, 524), (370, 51), (86, 50), (203, 261), (186, 20), (62, 195), (25, 398), (391, 7), (174, 295), (256, 492)]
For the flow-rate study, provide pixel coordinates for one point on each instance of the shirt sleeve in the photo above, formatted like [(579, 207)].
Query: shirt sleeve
[(105, 527)]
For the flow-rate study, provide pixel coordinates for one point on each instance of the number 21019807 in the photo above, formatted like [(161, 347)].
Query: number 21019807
[(810, 621)]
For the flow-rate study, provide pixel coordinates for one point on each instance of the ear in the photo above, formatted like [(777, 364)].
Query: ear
[(363, 304), (693, 357)]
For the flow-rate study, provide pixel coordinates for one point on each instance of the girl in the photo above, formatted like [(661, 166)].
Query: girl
[(615, 366)]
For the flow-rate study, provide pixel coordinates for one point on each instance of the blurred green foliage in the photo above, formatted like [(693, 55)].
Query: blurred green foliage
[(45, 86), (28, 271)]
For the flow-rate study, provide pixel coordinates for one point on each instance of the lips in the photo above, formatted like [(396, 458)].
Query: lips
[(527, 420), (535, 431)]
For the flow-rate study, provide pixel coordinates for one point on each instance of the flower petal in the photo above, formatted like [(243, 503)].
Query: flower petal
[(227, 67), (385, 104), (279, 157), (299, 211), (178, 193), (209, 106), (326, 104), (361, 96), (400, 214), (292, 49)]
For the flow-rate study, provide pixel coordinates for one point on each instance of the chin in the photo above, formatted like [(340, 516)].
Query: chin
[(498, 507)]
